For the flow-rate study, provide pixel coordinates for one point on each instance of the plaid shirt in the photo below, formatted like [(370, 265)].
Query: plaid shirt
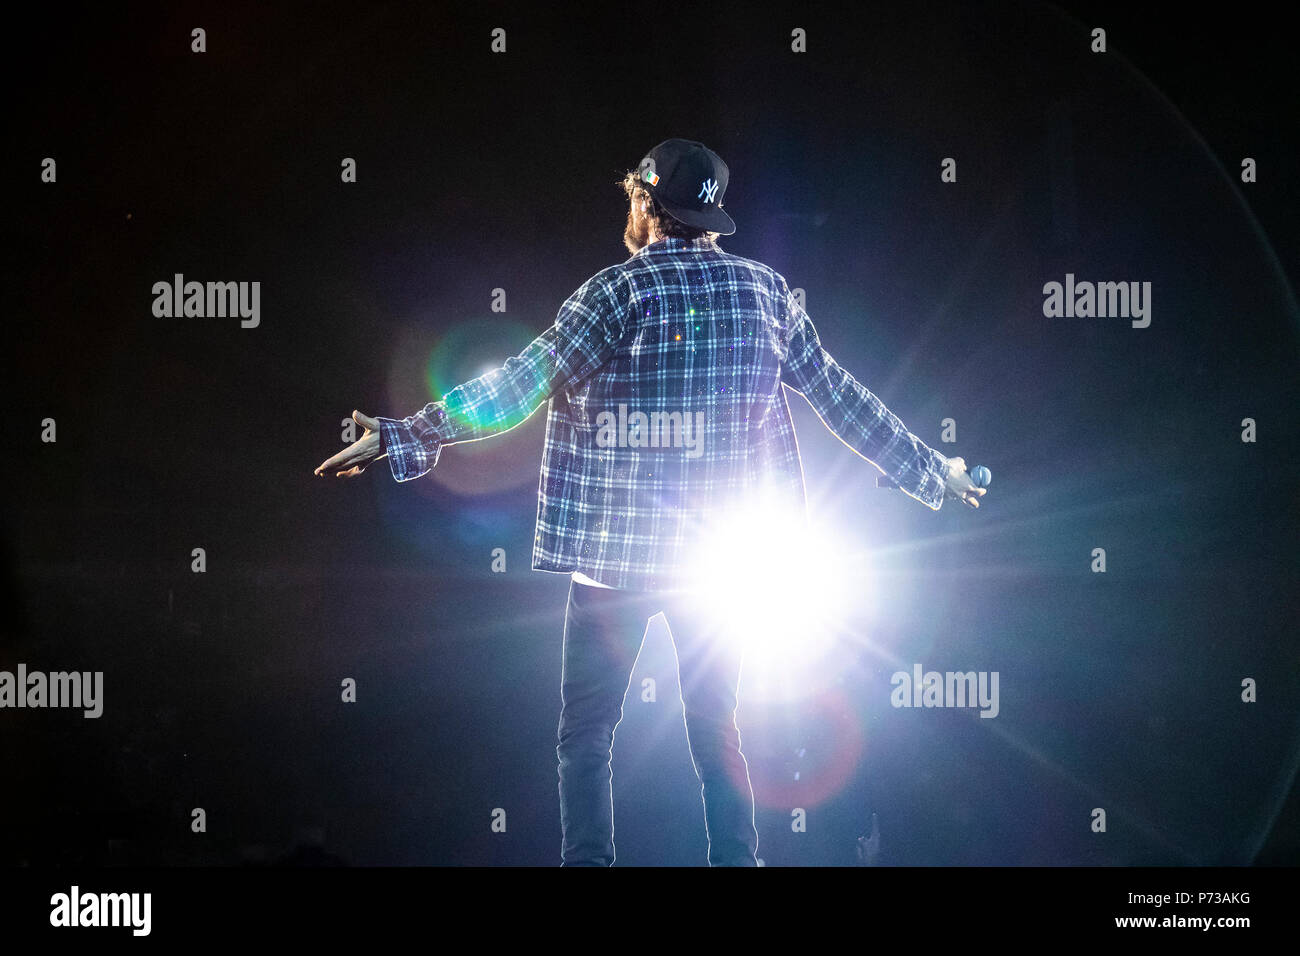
[(664, 376)]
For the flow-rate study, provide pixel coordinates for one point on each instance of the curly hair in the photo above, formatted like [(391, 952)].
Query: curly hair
[(663, 222)]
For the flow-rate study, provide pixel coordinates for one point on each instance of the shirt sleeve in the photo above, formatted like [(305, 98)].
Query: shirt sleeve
[(856, 416), (589, 325)]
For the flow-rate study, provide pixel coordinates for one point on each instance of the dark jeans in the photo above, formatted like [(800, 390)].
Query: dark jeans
[(603, 630)]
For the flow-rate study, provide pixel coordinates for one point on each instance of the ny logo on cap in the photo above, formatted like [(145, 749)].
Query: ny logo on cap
[(708, 190)]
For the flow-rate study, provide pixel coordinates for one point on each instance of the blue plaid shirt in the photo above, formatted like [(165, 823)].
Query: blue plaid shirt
[(664, 376)]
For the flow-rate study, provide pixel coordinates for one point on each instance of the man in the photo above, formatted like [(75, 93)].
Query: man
[(665, 379)]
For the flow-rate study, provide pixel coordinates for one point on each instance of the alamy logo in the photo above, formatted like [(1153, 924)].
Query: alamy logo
[(1103, 300), (75, 689), (950, 689), (653, 430), (75, 908), (708, 190), (208, 300)]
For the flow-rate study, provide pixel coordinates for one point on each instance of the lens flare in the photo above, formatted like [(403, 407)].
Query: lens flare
[(781, 588), (472, 350)]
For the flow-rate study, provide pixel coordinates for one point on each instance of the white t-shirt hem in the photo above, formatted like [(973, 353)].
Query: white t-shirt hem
[(581, 578)]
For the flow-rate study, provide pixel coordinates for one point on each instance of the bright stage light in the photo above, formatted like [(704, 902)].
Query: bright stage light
[(781, 588)]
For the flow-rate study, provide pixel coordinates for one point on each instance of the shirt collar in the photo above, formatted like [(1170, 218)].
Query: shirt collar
[(676, 244)]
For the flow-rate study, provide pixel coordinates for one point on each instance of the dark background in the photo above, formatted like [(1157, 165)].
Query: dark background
[(479, 171)]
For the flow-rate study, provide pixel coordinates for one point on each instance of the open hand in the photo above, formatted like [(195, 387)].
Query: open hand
[(352, 461)]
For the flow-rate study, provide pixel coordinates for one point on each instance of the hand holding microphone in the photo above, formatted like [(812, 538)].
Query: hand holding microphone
[(966, 486)]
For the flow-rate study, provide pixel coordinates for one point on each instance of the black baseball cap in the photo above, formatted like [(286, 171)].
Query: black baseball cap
[(688, 179)]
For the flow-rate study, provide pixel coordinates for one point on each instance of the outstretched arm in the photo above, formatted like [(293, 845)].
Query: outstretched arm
[(586, 330), (853, 413)]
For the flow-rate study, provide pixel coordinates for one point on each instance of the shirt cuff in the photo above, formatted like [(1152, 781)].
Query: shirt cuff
[(408, 456), (934, 482)]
